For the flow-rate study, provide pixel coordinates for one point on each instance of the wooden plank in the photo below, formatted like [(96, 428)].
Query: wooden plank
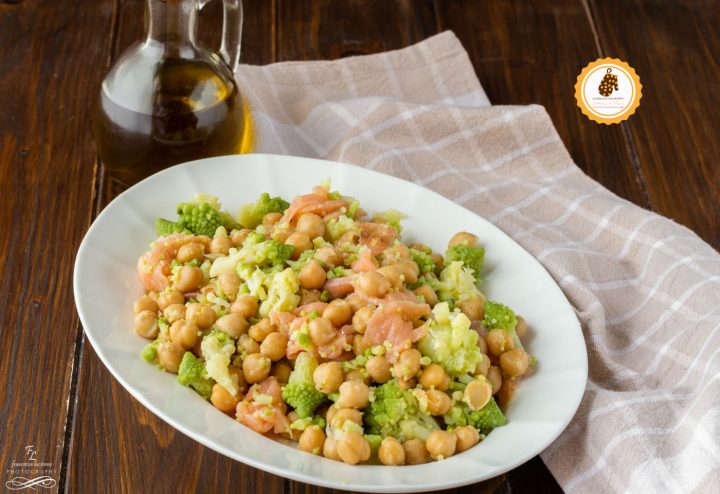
[(47, 69), (532, 52), (112, 425), (675, 48)]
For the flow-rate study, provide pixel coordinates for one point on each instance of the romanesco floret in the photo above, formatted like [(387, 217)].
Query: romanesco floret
[(200, 219), (471, 257), (149, 353), (303, 260), (217, 348), (192, 373), (456, 283), (451, 342), (282, 294), (424, 261), (251, 214), (300, 392), (255, 252), (484, 420), (165, 227), (501, 316), (396, 412)]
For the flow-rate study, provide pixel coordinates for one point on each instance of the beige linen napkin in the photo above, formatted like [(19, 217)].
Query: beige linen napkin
[(645, 289)]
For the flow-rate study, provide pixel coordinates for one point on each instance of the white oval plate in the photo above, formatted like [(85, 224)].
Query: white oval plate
[(106, 285)]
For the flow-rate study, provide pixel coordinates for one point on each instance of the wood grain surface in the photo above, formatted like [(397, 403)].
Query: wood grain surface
[(57, 395)]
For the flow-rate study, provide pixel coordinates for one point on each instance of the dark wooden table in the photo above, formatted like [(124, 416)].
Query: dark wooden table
[(57, 396)]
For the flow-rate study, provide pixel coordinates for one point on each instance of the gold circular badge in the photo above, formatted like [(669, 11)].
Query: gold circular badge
[(608, 90)]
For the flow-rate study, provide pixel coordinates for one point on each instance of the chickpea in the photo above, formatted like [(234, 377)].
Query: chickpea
[(515, 363), (271, 219), (478, 393), (311, 224), (201, 314), (359, 345), (274, 346), (378, 369), (312, 276), (393, 275), (438, 260), (281, 372), (220, 245), (256, 367), (337, 417), (438, 402), (473, 307), (428, 294), (483, 366), (189, 279), (415, 452), (329, 257), (338, 312), (312, 440), (499, 341), (322, 332), (352, 447), (229, 283), (330, 449), (309, 296), (170, 353), (353, 394), (174, 312), (237, 237), (356, 375), (301, 242), (145, 303), (467, 437), (463, 238), (408, 364), (328, 377), (281, 234), (409, 270), (261, 329), (521, 327), (361, 318), (237, 377), (393, 254), (391, 452), (373, 284), (186, 333), (507, 391), (495, 377), (232, 325), (356, 302), (434, 376), (190, 252), (222, 400), (170, 297), (441, 444), (245, 305), (146, 324), (482, 345), (247, 345)]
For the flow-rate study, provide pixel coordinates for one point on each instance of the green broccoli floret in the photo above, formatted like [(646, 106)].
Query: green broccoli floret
[(471, 257), (300, 391), (396, 412), (451, 342), (192, 373), (251, 215), (149, 353), (501, 316), (484, 420), (424, 261), (166, 227)]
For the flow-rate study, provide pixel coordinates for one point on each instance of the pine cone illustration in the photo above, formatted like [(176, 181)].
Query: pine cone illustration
[(608, 84)]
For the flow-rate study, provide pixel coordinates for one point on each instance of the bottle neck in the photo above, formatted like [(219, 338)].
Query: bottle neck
[(171, 22)]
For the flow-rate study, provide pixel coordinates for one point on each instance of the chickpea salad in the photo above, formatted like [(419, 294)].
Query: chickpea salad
[(312, 320)]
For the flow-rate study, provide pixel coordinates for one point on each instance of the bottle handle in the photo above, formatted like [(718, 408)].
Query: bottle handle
[(232, 32)]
